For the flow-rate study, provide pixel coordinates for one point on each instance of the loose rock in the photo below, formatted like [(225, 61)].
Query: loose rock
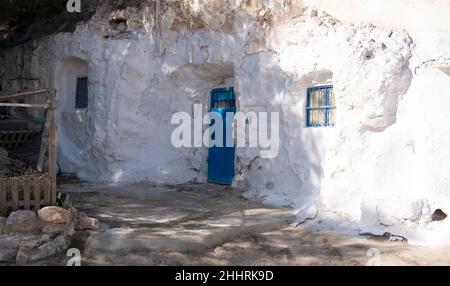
[(20, 222), (54, 214), (9, 246), (27, 244), (87, 223), (438, 215), (23, 255), (59, 244), (29, 236)]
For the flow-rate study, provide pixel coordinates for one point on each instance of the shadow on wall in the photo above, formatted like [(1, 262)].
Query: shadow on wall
[(72, 121), (291, 179), (179, 91)]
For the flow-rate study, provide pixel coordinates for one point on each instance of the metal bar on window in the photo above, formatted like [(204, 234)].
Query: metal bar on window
[(81, 97), (307, 106), (325, 94)]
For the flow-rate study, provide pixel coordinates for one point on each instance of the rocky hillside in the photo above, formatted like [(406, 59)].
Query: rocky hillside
[(24, 20)]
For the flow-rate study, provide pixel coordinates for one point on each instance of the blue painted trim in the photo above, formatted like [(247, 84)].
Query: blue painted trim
[(223, 93), (308, 93)]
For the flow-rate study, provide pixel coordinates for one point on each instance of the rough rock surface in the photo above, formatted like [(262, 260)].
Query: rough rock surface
[(56, 229), (84, 222), (55, 215), (27, 244), (9, 245), (59, 244), (21, 221)]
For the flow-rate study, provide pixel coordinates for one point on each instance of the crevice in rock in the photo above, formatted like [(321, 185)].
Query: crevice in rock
[(308, 218), (384, 236)]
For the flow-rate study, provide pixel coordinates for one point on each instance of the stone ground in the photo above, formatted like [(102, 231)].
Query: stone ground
[(211, 225)]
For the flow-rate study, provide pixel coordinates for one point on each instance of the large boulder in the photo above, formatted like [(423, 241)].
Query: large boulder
[(55, 215), (2, 223), (9, 246), (20, 217), (21, 221)]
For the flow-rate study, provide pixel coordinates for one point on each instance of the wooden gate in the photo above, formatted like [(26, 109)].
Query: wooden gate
[(38, 189)]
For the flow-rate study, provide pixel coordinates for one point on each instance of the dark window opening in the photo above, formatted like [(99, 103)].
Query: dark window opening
[(320, 106), (81, 98)]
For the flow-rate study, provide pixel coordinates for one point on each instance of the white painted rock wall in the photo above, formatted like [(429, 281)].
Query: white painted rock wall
[(382, 167)]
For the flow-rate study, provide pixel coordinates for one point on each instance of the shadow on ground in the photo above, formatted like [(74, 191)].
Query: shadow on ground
[(204, 224)]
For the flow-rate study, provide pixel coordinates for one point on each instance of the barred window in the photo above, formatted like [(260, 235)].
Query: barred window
[(81, 97), (320, 106)]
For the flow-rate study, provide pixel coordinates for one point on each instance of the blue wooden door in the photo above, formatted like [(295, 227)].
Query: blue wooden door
[(221, 159)]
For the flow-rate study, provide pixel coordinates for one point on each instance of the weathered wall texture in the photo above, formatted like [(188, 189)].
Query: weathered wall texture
[(383, 167)]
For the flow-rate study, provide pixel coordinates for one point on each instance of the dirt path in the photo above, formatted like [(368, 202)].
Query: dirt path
[(210, 225)]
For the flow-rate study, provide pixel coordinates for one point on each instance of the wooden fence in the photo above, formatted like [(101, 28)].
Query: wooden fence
[(37, 190), (24, 192)]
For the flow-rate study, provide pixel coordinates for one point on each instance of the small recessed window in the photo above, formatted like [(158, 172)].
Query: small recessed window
[(81, 98), (320, 106)]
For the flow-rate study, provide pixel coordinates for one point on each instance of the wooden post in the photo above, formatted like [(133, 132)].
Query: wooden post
[(37, 198), (3, 207), (44, 141), (52, 146), (44, 185), (26, 194), (22, 95), (26, 105), (15, 194)]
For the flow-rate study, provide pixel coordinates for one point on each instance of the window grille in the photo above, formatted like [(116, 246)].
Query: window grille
[(81, 98), (320, 106)]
